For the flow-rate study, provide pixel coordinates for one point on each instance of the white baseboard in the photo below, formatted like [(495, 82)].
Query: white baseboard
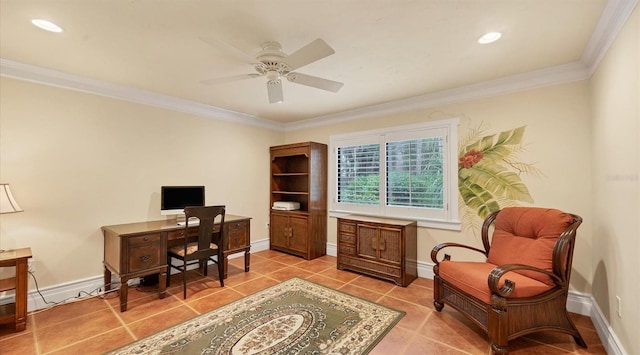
[(607, 336), (66, 292), (89, 287), (577, 302)]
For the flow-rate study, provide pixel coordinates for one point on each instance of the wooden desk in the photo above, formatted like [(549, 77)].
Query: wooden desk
[(139, 249), (16, 312)]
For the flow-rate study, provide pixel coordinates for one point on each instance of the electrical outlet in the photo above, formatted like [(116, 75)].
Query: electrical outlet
[(619, 308), (31, 266)]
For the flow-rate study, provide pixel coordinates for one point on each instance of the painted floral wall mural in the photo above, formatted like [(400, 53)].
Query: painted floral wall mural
[(489, 172)]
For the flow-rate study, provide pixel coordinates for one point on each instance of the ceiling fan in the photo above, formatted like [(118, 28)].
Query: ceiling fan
[(276, 65)]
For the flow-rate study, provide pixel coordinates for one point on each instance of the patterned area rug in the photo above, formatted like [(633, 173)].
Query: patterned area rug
[(294, 317)]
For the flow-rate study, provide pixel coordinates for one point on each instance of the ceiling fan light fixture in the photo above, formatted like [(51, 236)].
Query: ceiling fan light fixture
[(272, 75), (489, 37), (46, 25), (274, 90)]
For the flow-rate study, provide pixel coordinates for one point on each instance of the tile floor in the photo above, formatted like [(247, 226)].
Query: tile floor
[(96, 325)]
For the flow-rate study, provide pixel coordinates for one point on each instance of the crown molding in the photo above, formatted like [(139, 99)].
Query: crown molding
[(540, 78), (613, 18), (45, 76), (561, 74)]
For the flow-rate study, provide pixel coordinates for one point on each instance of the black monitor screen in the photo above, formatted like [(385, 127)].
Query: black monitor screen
[(179, 197)]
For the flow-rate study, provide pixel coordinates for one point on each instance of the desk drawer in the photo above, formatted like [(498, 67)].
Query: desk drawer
[(133, 242), (144, 252), (237, 236), (179, 234)]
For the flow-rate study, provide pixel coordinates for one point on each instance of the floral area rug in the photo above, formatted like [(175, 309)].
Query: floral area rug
[(294, 317)]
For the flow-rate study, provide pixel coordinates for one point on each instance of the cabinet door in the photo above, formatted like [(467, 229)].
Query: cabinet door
[(279, 226), (367, 241), (299, 234), (390, 245)]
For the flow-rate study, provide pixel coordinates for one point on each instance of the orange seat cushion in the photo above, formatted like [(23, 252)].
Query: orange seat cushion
[(527, 235), (472, 278)]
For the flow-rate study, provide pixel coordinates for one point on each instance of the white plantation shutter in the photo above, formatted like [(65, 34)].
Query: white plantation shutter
[(415, 173), (405, 172), (357, 165)]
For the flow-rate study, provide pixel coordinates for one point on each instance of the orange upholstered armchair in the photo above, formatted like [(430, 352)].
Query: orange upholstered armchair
[(522, 286)]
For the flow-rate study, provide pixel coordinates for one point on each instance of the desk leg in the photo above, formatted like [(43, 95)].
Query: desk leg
[(107, 279), (124, 291), (162, 285), (247, 256)]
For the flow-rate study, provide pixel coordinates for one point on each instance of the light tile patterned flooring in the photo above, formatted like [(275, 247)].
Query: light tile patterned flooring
[(96, 325)]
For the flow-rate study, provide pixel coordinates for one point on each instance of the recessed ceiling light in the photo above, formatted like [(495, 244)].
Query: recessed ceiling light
[(46, 25), (490, 37)]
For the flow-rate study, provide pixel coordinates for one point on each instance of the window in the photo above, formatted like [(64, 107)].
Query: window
[(403, 172)]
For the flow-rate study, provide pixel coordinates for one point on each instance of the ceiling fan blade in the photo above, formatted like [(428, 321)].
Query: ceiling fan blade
[(274, 89), (228, 79), (229, 48), (313, 51), (314, 81)]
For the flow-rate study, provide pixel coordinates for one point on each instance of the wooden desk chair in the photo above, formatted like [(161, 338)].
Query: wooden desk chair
[(209, 244), (522, 286)]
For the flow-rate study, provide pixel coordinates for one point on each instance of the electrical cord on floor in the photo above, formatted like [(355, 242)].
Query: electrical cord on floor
[(94, 293)]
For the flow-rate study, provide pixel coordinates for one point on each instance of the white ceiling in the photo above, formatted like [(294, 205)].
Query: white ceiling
[(385, 50)]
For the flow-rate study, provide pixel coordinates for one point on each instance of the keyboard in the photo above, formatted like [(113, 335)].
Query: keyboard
[(194, 222)]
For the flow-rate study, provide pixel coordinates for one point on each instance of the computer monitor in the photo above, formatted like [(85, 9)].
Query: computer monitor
[(173, 199)]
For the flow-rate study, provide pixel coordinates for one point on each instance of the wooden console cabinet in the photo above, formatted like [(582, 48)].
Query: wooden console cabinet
[(15, 313), (299, 174), (380, 247)]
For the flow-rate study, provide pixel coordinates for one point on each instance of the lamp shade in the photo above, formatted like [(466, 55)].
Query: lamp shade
[(7, 203)]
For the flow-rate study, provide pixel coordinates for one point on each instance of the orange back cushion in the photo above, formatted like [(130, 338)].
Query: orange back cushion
[(527, 235)]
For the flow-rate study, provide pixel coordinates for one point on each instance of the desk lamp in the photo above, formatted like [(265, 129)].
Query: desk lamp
[(8, 204)]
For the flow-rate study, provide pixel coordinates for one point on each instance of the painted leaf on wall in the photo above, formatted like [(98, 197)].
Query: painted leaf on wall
[(499, 181), (488, 174), (477, 198)]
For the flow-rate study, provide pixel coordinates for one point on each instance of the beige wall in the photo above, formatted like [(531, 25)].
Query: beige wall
[(616, 193), (77, 161), (556, 137)]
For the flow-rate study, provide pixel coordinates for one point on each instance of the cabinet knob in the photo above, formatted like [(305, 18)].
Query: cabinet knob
[(146, 239), (144, 258)]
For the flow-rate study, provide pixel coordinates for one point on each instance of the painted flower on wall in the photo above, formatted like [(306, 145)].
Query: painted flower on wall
[(489, 173)]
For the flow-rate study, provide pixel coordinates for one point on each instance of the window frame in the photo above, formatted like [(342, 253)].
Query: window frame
[(445, 218)]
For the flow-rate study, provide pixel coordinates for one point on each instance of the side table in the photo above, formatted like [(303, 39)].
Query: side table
[(16, 312)]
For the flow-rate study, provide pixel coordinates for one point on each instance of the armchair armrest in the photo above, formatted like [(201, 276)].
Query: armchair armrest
[(499, 271), (437, 248)]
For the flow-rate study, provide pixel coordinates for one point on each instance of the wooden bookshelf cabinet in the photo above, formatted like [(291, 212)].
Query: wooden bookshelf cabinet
[(299, 174), (380, 247)]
